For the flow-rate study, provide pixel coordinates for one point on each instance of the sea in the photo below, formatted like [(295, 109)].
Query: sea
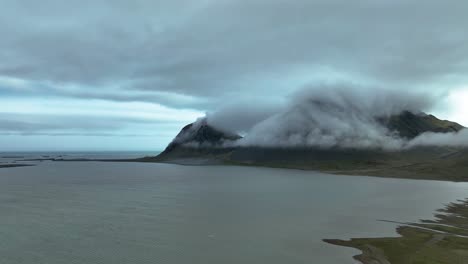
[(142, 213)]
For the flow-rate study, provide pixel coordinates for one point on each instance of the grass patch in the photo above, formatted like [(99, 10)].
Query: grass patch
[(443, 241)]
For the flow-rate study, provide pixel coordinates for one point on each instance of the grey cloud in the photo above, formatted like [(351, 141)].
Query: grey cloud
[(336, 116), (117, 94), (170, 99), (220, 49), (48, 124), (241, 116), (52, 124), (71, 134), (459, 139)]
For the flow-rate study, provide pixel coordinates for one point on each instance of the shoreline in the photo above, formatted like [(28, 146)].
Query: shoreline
[(445, 164), (413, 171), (444, 240), (4, 166)]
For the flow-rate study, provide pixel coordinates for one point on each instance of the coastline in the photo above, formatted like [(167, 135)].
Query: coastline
[(457, 172), (444, 164), (3, 166), (444, 240)]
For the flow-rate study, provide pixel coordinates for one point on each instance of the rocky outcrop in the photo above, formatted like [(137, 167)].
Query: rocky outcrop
[(199, 138)]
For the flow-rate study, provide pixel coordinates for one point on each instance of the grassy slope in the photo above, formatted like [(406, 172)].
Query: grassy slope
[(424, 163), (451, 165), (431, 245)]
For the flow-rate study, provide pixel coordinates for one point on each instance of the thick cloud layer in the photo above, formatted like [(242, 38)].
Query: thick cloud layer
[(240, 117), (210, 50), (459, 139), (340, 116)]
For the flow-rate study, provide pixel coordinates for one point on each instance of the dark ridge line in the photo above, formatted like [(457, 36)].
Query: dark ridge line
[(4, 166)]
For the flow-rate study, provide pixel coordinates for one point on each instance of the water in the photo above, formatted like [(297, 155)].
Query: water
[(111, 213), (26, 157)]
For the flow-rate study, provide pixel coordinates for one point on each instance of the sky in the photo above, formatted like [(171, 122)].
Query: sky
[(128, 74)]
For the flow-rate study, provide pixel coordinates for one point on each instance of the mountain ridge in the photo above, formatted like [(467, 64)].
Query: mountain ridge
[(201, 144)]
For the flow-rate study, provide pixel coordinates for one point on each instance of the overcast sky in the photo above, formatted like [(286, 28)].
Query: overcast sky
[(128, 74)]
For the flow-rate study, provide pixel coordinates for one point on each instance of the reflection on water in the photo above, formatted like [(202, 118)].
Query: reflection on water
[(66, 212)]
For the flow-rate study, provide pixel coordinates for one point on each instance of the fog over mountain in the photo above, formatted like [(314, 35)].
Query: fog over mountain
[(328, 116), (456, 139)]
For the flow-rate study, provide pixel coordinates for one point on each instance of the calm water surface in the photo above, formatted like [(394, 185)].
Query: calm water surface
[(112, 213)]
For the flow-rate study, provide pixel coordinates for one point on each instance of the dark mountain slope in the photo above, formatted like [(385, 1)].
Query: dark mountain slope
[(197, 139), (436, 163), (409, 125)]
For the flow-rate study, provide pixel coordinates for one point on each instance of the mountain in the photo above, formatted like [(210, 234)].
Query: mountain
[(409, 125), (198, 139), (201, 143)]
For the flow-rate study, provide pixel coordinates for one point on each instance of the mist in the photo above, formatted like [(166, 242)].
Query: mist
[(240, 117), (332, 116), (459, 139)]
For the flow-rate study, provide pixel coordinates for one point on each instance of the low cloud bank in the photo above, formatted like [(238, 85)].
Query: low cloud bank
[(336, 116), (241, 117), (459, 139)]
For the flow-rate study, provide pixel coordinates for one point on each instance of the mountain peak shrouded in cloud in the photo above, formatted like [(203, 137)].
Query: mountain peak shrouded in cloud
[(333, 129), (340, 116), (199, 134), (329, 117), (410, 125)]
